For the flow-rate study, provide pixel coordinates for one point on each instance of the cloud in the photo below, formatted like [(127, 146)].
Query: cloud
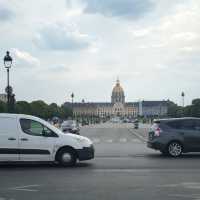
[(186, 36), (188, 49), (132, 9), (5, 13), (62, 37), (60, 68), (141, 32), (26, 57)]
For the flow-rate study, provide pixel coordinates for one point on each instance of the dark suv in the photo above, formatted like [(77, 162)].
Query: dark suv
[(175, 136)]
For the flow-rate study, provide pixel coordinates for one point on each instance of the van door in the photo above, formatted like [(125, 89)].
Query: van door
[(9, 135), (36, 142)]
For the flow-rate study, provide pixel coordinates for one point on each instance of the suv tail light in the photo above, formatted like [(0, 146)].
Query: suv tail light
[(157, 132)]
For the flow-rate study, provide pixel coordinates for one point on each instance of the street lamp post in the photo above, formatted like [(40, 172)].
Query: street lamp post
[(183, 102), (183, 99), (72, 96), (8, 64)]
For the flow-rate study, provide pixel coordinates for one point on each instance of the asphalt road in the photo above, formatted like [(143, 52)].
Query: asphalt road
[(122, 169)]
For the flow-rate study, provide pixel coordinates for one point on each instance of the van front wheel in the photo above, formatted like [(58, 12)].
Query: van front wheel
[(67, 157)]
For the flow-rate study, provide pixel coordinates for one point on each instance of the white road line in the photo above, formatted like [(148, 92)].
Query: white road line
[(123, 140), (135, 140), (109, 141), (188, 196), (125, 170), (96, 140), (26, 188)]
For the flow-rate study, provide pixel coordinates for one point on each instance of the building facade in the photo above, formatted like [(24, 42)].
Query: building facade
[(152, 108), (119, 107), (3, 98)]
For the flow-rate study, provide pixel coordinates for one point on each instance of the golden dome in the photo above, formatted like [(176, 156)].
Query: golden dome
[(118, 88)]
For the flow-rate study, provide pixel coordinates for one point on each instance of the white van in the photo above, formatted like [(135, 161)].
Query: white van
[(29, 138)]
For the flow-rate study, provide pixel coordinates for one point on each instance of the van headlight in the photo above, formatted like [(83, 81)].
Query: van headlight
[(82, 139)]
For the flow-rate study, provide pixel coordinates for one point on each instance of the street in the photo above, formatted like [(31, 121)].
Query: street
[(123, 168)]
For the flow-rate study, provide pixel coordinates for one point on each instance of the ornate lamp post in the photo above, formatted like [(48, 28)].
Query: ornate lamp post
[(8, 64), (72, 96)]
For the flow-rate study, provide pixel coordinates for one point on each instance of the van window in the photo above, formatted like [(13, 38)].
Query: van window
[(35, 128), (31, 127), (7, 125)]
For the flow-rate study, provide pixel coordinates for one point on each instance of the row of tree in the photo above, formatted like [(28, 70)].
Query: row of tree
[(192, 110), (39, 108), (48, 111)]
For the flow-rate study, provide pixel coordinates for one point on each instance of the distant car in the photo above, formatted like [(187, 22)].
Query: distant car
[(175, 136), (125, 120), (136, 124), (70, 126), (85, 122), (115, 120)]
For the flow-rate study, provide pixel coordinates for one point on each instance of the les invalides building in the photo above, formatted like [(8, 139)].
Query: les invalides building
[(119, 107)]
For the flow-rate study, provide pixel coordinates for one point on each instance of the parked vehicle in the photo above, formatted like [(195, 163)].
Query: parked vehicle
[(175, 136), (28, 138), (136, 124), (125, 120), (70, 126), (115, 120), (85, 122)]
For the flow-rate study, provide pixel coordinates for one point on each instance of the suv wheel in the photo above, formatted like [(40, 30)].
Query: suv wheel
[(67, 157), (175, 149)]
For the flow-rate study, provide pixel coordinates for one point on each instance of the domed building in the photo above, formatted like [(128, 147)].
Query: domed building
[(118, 94), (118, 106)]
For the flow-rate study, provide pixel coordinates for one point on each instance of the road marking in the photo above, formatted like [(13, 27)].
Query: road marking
[(26, 188), (135, 140), (188, 185), (109, 141), (96, 140), (137, 170), (123, 140), (188, 196)]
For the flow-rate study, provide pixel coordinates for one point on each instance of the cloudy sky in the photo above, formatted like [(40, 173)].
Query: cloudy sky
[(82, 46)]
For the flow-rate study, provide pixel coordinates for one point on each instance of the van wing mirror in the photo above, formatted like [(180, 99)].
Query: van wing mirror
[(44, 133), (49, 134)]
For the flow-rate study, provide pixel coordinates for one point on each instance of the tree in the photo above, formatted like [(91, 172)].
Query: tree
[(40, 108), (3, 107), (55, 110), (174, 110), (195, 108), (66, 111), (23, 107)]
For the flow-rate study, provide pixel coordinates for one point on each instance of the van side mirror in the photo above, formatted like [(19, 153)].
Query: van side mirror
[(49, 134), (44, 133)]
